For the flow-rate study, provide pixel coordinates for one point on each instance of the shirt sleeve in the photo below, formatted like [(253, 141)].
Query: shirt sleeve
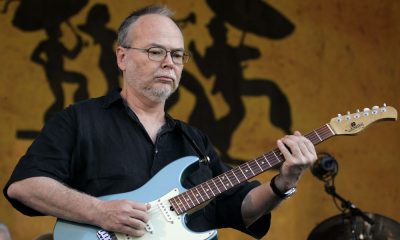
[(48, 156), (228, 212), (227, 206)]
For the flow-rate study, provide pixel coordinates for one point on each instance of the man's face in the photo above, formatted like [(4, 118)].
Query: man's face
[(151, 79)]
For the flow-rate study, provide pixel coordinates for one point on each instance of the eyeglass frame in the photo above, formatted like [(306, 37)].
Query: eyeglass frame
[(171, 52)]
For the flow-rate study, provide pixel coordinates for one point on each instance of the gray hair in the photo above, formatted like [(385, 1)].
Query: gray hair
[(133, 17)]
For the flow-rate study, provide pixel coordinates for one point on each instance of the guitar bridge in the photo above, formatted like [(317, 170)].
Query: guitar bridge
[(104, 235)]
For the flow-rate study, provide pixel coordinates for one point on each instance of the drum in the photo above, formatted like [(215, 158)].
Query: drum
[(339, 228)]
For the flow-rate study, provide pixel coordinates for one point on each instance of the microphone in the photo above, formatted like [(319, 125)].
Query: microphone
[(325, 167)]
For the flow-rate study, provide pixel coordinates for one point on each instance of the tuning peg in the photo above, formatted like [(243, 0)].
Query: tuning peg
[(357, 115), (375, 109), (383, 109), (348, 117), (339, 117), (366, 111)]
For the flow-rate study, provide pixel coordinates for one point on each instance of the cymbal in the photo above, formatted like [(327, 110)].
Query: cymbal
[(339, 228)]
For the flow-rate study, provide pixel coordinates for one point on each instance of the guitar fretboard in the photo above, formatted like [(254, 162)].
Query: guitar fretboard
[(215, 186)]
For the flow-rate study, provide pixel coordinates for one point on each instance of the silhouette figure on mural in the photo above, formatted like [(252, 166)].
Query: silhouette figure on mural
[(50, 54), (225, 62), (95, 26), (34, 15), (5, 6), (202, 115)]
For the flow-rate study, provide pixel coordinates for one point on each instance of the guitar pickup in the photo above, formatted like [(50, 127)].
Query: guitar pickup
[(165, 209)]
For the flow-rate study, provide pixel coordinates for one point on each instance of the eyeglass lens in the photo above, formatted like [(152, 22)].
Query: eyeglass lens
[(158, 54)]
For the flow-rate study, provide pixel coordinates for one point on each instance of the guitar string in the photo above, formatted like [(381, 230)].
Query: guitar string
[(271, 157), (238, 174), (316, 136)]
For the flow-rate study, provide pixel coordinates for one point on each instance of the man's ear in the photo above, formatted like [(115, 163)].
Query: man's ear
[(121, 57)]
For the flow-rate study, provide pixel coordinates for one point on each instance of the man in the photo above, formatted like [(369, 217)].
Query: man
[(118, 142)]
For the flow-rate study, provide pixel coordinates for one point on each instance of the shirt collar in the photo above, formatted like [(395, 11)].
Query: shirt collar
[(112, 97), (115, 96)]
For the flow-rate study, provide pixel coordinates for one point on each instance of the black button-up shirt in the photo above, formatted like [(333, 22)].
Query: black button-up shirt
[(99, 147)]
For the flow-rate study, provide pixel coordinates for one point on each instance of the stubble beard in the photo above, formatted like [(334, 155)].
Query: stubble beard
[(155, 91), (159, 94), (159, 91)]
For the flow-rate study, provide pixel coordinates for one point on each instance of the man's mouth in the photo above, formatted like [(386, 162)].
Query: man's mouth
[(166, 79)]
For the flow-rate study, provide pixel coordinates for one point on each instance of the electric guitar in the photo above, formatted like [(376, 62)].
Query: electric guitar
[(170, 202)]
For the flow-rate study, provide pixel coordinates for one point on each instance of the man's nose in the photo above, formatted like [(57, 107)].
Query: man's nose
[(167, 61)]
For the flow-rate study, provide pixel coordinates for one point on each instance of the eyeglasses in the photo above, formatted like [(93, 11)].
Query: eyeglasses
[(158, 54)]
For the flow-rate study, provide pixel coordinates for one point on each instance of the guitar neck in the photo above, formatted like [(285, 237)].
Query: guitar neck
[(218, 185)]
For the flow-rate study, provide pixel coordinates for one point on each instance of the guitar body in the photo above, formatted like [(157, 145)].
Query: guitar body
[(163, 224)]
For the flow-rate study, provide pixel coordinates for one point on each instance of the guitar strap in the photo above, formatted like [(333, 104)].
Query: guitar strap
[(203, 158)]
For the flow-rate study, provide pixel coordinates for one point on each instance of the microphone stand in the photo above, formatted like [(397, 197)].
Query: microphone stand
[(353, 210)]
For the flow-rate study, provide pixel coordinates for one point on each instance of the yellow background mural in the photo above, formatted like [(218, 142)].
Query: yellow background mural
[(343, 55)]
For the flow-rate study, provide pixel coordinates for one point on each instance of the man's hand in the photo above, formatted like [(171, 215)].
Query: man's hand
[(122, 216), (299, 154)]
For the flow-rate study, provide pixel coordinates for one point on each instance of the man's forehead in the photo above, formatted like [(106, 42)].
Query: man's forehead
[(155, 25)]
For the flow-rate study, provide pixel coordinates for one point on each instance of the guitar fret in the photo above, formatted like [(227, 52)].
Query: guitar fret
[(320, 139), (244, 175), (233, 173), (210, 189), (195, 197), (258, 165), (212, 180), (266, 159), (261, 161), (192, 196), (199, 194), (228, 180), (175, 205), (205, 192), (250, 168), (222, 183), (247, 171), (201, 185), (225, 181), (275, 155), (181, 204), (314, 139), (184, 195), (330, 129), (239, 174)]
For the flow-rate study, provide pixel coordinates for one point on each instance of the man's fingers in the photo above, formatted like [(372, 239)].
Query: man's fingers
[(283, 149), (131, 231)]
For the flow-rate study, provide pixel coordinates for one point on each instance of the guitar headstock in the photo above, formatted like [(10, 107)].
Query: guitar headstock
[(353, 123)]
